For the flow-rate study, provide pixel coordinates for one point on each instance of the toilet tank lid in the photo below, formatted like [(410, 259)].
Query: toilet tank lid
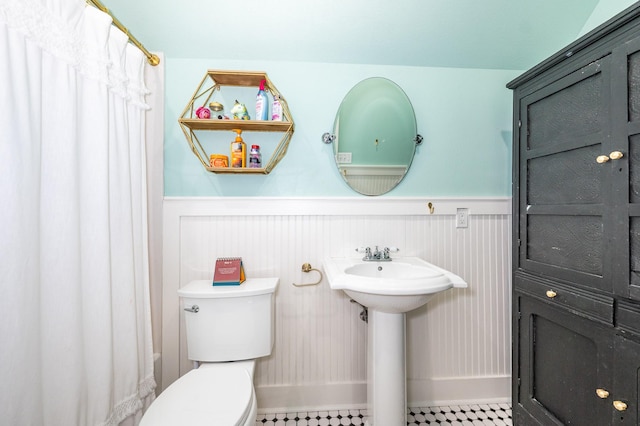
[(204, 289)]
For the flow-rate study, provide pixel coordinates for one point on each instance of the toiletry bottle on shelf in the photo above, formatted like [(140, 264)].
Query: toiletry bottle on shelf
[(276, 109), (262, 104), (255, 158), (238, 151)]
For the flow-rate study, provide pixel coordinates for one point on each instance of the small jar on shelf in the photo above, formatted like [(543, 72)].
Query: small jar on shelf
[(255, 158), (217, 111)]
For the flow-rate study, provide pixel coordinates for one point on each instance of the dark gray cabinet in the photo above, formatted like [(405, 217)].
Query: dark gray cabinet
[(576, 232)]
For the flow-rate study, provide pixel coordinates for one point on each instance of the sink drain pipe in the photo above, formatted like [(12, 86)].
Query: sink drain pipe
[(364, 315)]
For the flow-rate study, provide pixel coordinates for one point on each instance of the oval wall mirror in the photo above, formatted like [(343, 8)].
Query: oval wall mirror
[(374, 136)]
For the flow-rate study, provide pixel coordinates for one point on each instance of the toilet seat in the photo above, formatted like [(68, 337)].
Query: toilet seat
[(214, 394)]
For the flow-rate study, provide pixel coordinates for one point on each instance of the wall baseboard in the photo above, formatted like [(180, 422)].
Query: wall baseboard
[(339, 396), (458, 391), (318, 397)]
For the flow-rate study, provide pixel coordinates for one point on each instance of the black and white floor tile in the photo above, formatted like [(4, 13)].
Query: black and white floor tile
[(458, 415)]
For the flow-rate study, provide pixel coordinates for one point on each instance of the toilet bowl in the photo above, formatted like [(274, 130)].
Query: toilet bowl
[(227, 329), (216, 394)]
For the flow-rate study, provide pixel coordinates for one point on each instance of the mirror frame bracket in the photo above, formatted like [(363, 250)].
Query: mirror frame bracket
[(328, 138)]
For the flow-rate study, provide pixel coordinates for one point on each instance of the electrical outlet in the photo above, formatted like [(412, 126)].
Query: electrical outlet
[(343, 158), (462, 218)]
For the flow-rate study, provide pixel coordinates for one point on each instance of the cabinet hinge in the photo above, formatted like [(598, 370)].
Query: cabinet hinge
[(519, 123), (519, 242)]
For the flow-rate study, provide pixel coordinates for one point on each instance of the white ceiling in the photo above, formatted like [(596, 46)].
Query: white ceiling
[(492, 34)]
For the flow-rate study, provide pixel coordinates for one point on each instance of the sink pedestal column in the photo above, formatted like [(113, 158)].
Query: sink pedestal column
[(386, 369)]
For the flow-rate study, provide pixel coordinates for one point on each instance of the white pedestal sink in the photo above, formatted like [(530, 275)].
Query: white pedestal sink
[(388, 289)]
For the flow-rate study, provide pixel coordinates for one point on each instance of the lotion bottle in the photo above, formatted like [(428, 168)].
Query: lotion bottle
[(262, 105), (276, 109), (238, 151)]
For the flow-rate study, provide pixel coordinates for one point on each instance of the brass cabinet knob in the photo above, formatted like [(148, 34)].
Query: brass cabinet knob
[(619, 405), (602, 393), (551, 294), (616, 155), (602, 159)]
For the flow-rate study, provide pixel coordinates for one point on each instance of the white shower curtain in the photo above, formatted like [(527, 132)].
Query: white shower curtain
[(75, 331)]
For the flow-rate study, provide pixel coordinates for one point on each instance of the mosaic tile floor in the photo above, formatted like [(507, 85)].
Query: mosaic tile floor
[(459, 415)]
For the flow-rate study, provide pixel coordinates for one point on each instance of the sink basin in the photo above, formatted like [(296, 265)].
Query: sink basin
[(399, 286)]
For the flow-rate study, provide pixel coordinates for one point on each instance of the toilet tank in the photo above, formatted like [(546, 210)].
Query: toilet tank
[(232, 323)]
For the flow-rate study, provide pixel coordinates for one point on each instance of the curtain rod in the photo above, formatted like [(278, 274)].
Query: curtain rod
[(151, 58)]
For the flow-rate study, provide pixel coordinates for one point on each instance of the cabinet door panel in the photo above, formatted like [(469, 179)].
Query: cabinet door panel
[(564, 191), (561, 360), (634, 168), (625, 171), (548, 121), (634, 256), (569, 177), (633, 73), (569, 242)]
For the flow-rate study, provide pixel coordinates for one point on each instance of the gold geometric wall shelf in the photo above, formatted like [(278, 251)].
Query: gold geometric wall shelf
[(213, 81)]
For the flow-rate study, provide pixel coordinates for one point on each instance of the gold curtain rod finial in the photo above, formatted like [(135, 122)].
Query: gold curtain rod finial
[(153, 59)]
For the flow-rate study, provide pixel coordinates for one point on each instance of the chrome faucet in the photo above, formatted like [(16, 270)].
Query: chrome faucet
[(367, 254), (376, 255), (385, 253)]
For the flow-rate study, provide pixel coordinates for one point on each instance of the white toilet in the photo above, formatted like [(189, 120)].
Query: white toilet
[(227, 328)]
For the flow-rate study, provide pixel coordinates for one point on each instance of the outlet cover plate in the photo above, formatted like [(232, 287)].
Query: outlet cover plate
[(343, 158), (462, 218)]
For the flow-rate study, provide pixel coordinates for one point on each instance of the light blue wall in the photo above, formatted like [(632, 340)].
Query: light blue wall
[(604, 10), (464, 116)]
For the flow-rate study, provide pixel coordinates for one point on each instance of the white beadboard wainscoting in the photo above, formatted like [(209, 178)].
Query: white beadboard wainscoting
[(458, 345)]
